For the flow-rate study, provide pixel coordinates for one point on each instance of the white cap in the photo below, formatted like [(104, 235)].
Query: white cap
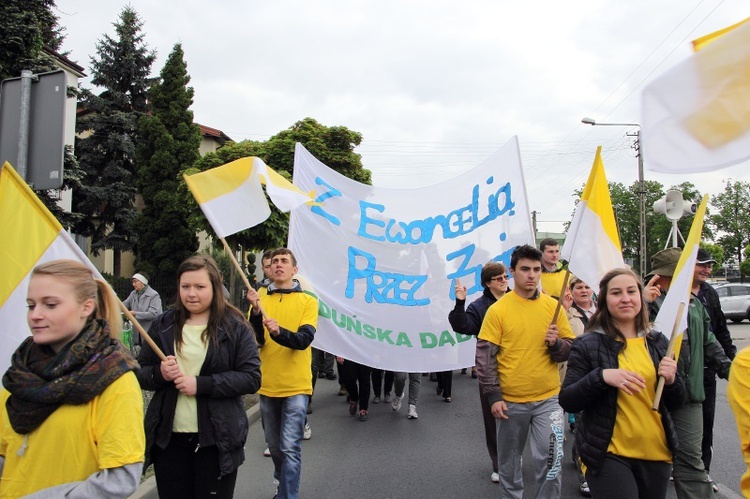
[(140, 278)]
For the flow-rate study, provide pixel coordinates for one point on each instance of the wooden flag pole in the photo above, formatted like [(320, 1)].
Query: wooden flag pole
[(560, 297), (141, 331), (242, 273), (670, 353)]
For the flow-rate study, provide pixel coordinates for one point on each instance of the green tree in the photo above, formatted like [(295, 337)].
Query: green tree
[(731, 219), (333, 146), (716, 252), (27, 26), (107, 153), (168, 143)]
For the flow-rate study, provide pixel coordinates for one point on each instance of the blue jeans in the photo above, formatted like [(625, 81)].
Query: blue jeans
[(284, 422)]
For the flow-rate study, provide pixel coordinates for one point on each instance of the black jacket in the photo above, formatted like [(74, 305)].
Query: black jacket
[(584, 390), (230, 370), (710, 299), (470, 321)]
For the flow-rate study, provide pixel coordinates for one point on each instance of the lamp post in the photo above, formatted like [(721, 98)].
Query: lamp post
[(641, 187)]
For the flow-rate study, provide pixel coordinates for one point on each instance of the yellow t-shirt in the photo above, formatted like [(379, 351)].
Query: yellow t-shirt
[(284, 371), (552, 282), (518, 326), (738, 393), (190, 360), (75, 440), (638, 432)]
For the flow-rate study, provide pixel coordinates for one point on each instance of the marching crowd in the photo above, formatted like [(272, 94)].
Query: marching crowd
[(551, 352)]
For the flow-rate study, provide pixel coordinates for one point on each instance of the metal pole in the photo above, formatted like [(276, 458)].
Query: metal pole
[(23, 124), (642, 199)]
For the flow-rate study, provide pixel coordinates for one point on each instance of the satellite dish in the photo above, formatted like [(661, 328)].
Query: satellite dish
[(673, 206)]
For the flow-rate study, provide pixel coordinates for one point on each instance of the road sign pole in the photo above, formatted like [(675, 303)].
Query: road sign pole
[(23, 125)]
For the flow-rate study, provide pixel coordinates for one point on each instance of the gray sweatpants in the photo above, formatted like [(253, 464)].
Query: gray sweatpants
[(415, 381), (543, 421)]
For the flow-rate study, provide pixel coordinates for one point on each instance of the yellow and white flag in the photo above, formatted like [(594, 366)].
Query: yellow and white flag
[(682, 282), (31, 236), (232, 198), (592, 245), (696, 116)]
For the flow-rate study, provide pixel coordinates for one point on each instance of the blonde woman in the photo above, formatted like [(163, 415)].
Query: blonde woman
[(72, 410)]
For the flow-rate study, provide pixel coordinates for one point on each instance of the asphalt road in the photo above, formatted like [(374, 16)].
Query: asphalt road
[(440, 455)]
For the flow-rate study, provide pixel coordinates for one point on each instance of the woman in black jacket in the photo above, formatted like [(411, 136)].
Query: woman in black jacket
[(625, 447), (196, 424)]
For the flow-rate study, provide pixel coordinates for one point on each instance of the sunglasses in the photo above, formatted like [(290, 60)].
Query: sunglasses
[(500, 278)]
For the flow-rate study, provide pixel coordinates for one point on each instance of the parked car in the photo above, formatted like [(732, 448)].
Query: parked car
[(735, 301)]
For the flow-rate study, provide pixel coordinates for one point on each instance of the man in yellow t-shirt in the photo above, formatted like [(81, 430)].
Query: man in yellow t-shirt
[(738, 393), (284, 334), (553, 273), (518, 349)]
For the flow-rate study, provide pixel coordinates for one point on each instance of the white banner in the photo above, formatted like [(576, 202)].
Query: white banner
[(383, 262)]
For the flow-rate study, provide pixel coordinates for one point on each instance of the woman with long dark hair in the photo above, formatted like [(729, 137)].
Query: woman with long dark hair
[(196, 425), (72, 411), (625, 446)]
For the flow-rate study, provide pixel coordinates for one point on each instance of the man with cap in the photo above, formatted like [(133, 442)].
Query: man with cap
[(710, 300), (699, 348), (144, 302)]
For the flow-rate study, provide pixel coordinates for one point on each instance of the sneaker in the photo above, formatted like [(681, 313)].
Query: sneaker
[(376, 400), (387, 398), (363, 415), (267, 452), (342, 391), (396, 405), (307, 433), (412, 412), (352, 408), (495, 477), (584, 489)]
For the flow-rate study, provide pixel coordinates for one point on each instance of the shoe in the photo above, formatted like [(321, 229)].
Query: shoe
[(376, 400), (463, 371), (331, 376), (267, 452), (307, 432), (321, 375), (342, 391), (412, 412), (363, 415), (584, 489), (448, 399), (396, 405), (495, 477), (352, 408), (714, 486), (309, 408), (474, 373), (387, 398)]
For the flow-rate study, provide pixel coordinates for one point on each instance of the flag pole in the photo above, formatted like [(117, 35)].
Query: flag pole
[(670, 353), (560, 298), (242, 273), (142, 332)]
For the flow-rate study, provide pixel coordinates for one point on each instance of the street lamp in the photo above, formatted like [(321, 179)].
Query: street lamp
[(641, 186)]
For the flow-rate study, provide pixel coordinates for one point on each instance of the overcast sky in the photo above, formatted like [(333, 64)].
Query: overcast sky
[(435, 87)]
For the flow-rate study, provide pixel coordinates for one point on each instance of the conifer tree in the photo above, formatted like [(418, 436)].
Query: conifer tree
[(108, 153), (168, 143)]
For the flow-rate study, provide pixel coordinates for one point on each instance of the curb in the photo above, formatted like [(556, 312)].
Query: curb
[(147, 490)]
